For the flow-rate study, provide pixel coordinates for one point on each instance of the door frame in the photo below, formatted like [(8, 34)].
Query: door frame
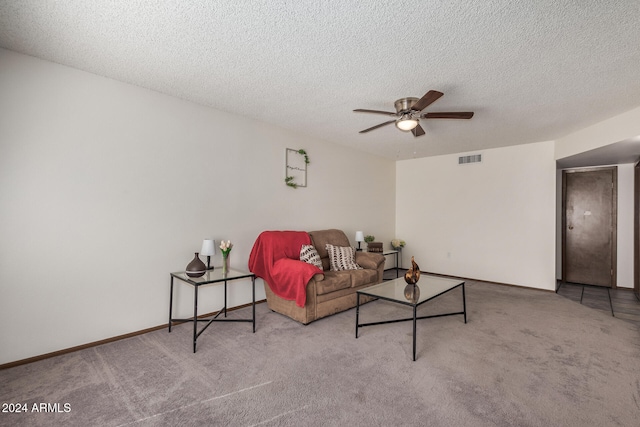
[(636, 229), (614, 219)]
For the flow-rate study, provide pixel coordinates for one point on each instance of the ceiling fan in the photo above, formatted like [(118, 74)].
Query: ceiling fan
[(409, 113)]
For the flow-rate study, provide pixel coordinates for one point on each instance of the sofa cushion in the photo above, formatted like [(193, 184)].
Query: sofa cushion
[(342, 258), (309, 254), (320, 238), (333, 281), (363, 277)]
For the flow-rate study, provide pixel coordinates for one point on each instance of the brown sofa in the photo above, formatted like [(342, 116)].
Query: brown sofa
[(332, 291)]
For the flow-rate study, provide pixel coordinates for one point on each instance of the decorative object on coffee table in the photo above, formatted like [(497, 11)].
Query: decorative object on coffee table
[(225, 248), (196, 267), (412, 293), (413, 274), (208, 250)]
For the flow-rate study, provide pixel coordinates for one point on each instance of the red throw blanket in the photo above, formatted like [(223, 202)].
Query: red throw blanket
[(275, 257)]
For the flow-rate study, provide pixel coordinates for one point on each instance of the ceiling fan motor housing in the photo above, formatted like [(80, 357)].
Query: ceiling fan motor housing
[(404, 105)]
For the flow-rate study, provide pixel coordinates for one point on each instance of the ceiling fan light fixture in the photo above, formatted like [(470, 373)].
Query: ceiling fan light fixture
[(406, 123), (409, 112)]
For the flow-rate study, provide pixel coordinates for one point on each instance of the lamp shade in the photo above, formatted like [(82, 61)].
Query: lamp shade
[(359, 236), (208, 248)]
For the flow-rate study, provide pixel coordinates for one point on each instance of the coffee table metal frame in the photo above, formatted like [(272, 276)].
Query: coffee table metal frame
[(381, 291)]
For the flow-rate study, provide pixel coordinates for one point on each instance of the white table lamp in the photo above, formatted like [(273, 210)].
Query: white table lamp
[(359, 238), (208, 249)]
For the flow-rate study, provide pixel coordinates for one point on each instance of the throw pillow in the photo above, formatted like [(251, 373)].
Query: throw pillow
[(309, 254), (342, 258)]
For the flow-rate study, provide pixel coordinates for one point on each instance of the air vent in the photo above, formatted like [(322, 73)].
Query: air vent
[(465, 160)]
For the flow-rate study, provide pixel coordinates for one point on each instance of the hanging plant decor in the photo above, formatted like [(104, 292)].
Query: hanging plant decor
[(296, 167)]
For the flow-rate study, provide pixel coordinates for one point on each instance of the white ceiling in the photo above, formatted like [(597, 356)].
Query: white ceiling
[(531, 70)]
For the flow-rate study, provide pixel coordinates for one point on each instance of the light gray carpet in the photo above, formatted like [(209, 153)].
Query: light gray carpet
[(525, 358)]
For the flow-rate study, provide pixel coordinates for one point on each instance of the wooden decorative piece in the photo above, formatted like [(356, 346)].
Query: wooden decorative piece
[(413, 274), (412, 293), (374, 247)]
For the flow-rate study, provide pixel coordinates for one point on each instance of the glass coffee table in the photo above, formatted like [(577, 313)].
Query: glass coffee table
[(397, 291)]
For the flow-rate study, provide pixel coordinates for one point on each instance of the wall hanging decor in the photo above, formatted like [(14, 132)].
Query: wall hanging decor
[(296, 162)]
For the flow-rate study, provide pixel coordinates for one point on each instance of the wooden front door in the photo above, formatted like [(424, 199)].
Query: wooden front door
[(589, 226)]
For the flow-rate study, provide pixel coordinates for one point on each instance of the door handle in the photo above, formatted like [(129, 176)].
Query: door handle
[(571, 227)]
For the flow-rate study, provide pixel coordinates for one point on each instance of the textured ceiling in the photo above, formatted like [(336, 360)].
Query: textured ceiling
[(531, 70)]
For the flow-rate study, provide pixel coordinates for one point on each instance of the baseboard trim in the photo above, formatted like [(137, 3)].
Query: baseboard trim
[(488, 281), (109, 340)]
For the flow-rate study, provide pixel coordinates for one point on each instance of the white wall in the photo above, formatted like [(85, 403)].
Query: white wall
[(105, 188), (606, 132), (491, 221)]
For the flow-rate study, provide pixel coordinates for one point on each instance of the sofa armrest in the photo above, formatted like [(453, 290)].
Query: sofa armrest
[(369, 260)]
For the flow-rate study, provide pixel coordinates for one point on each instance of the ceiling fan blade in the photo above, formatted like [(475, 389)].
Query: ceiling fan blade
[(428, 99), (417, 131), (388, 113), (377, 126), (458, 115)]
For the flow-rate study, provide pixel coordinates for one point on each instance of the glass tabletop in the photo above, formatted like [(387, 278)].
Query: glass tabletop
[(212, 276), (398, 290)]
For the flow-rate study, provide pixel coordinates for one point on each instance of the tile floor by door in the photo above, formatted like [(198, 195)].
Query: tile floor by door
[(620, 303)]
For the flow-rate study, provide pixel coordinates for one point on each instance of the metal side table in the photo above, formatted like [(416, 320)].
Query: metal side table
[(210, 277)]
